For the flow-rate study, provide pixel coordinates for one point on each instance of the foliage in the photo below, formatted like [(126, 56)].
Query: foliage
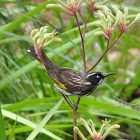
[(26, 92)]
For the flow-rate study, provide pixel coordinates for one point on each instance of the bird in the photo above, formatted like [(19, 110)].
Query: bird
[(68, 81)]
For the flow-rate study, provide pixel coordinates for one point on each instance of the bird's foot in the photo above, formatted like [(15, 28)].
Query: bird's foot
[(75, 106)]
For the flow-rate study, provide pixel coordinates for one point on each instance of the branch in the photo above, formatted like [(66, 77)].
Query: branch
[(107, 49), (83, 47), (83, 35), (81, 16), (87, 22)]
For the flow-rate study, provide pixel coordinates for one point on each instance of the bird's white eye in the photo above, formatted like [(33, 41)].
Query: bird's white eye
[(97, 76)]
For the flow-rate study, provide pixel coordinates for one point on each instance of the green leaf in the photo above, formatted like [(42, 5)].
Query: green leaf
[(44, 121), (120, 111), (2, 130), (14, 24), (24, 121), (23, 104)]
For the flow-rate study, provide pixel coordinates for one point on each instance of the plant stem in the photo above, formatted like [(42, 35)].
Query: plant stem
[(74, 122), (83, 35), (98, 61), (74, 118), (116, 40), (107, 49), (86, 23), (83, 47), (81, 16), (78, 101)]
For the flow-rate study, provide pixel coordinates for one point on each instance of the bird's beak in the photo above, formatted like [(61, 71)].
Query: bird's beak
[(110, 73)]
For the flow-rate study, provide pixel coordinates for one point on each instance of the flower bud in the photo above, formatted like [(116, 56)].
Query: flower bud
[(111, 15), (109, 130), (98, 33), (118, 18), (109, 19), (137, 18), (76, 129), (125, 13), (60, 2), (55, 6), (92, 126), (42, 38), (34, 31), (83, 122), (103, 18), (107, 1), (71, 8), (43, 30), (52, 41), (103, 7), (115, 8), (35, 39), (99, 24)]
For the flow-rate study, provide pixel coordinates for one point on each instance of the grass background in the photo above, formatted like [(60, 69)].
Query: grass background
[(27, 94)]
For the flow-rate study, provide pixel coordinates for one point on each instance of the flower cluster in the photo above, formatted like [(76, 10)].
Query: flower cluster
[(71, 7), (41, 37), (101, 135), (109, 22)]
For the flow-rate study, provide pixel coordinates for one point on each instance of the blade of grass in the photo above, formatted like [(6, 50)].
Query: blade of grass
[(2, 129), (14, 24), (18, 37), (44, 121), (18, 67), (121, 111), (28, 103), (21, 129), (26, 122)]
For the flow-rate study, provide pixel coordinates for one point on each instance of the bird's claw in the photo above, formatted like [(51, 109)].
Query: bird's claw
[(75, 106)]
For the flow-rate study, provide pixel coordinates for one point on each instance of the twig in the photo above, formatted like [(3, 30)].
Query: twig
[(125, 103), (78, 101), (85, 26), (81, 16)]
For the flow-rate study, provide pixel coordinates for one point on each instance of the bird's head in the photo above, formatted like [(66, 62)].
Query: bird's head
[(97, 77)]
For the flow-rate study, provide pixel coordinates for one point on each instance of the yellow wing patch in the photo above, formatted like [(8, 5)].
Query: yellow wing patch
[(60, 84)]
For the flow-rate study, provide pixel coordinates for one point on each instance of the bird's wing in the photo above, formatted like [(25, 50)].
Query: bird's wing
[(71, 79)]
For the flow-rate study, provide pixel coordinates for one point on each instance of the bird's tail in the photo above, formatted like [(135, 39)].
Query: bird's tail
[(48, 63)]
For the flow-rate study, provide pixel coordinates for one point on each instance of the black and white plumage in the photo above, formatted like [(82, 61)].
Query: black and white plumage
[(68, 81), (78, 84)]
